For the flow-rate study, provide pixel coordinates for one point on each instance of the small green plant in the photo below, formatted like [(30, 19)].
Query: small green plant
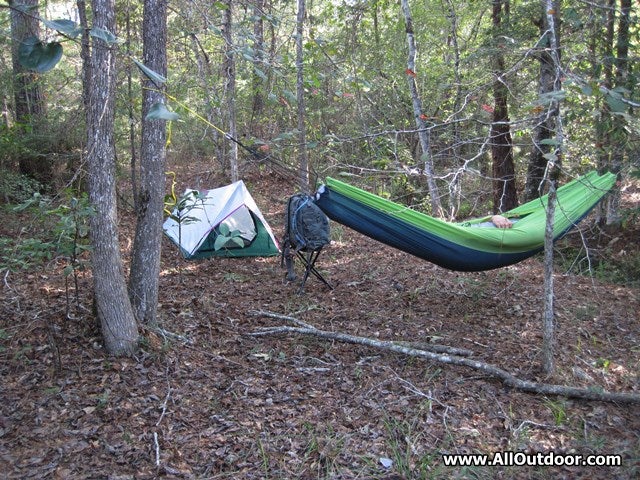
[(227, 238), (558, 410), (404, 438), (103, 400)]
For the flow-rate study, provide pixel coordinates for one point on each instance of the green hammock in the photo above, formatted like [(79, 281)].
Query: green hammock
[(462, 246)]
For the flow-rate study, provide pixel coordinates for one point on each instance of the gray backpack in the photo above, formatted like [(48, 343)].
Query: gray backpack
[(306, 230)]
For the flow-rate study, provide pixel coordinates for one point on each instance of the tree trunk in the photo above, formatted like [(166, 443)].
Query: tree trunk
[(504, 182), (553, 162), (85, 54), (28, 95), (423, 134), (619, 136), (119, 328), (544, 128), (258, 81), (303, 160), (30, 107), (145, 262), (229, 75)]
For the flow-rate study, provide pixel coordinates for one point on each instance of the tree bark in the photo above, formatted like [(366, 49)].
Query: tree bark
[(544, 129), (85, 54), (504, 182), (119, 328), (257, 106), (423, 134), (303, 159), (553, 163), (145, 262), (229, 75), (619, 136)]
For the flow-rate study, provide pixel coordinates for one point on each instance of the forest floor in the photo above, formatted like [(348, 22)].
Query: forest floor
[(217, 402)]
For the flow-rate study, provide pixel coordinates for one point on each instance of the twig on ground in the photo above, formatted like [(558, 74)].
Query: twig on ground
[(157, 448), (164, 406), (488, 369)]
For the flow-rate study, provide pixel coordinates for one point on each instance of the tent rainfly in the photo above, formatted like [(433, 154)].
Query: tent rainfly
[(223, 222)]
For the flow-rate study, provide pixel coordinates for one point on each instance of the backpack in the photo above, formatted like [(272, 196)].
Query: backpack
[(307, 227)]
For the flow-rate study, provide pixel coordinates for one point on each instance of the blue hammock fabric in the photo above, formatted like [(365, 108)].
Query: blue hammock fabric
[(461, 247)]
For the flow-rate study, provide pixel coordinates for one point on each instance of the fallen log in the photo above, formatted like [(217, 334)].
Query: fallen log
[(507, 378)]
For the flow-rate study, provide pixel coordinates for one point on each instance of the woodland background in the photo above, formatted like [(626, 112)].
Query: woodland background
[(457, 109)]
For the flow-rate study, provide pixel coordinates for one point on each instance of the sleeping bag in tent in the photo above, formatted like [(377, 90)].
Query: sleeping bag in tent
[(223, 222)]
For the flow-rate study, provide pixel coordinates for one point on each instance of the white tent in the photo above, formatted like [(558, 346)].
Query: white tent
[(224, 221)]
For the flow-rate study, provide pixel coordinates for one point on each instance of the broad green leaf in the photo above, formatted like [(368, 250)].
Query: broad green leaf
[(587, 89), (64, 26), (220, 242), (104, 35), (260, 74), (238, 241), (159, 111), (549, 141), (224, 229), (156, 77), (38, 56), (616, 104)]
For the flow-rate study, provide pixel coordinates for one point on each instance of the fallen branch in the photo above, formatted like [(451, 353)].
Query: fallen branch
[(491, 370), (422, 346)]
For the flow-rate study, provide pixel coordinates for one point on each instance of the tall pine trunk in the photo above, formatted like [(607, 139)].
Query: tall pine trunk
[(619, 136), (504, 182), (119, 328), (258, 81), (303, 160), (544, 129), (145, 262), (229, 75)]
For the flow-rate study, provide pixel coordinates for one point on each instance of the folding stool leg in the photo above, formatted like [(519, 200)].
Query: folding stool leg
[(309, 262)]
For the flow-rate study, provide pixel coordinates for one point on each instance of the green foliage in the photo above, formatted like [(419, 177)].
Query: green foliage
[(67, 237), (558, 409), (38, 56), (17, 188), (227, 238)]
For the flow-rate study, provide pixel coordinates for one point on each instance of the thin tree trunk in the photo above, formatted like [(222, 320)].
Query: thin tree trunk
[(455, 187), (28, 94), (119, 328), (30, 106), (619, 135), (423, 134), (85, 53), (554, 159), (603, 61), (504, 182), (132, 120), (145, 262), (229, 66), (303, 160), (543, 130), (258, 81)]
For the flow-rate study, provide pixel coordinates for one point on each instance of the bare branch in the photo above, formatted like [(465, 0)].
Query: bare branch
[(488, 369)]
